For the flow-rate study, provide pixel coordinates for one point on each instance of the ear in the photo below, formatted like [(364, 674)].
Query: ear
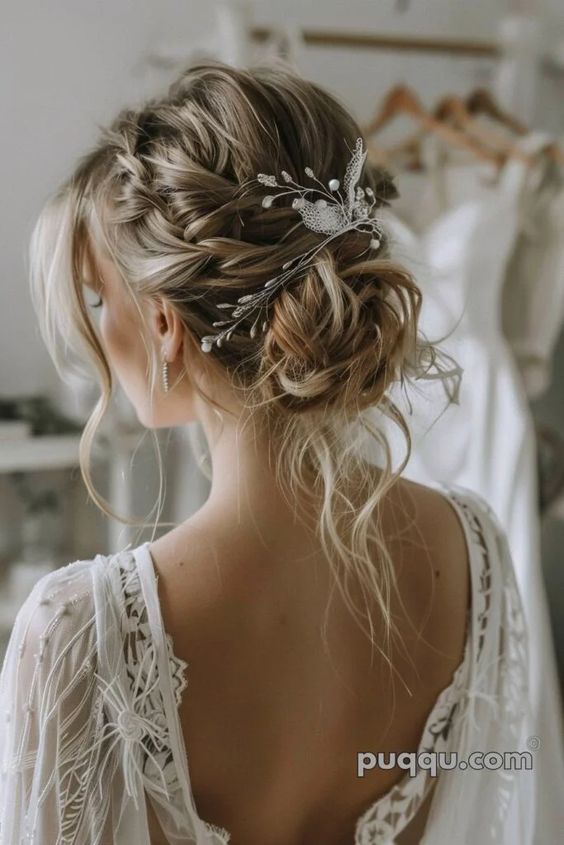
[(168, 328)]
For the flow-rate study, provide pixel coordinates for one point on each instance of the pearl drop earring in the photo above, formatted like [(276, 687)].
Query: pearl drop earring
[(165, 375)]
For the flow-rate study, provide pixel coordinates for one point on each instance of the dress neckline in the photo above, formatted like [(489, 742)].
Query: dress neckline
[(443, 708)]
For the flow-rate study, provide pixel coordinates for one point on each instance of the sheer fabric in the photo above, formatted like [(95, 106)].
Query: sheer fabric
[(90, 737)]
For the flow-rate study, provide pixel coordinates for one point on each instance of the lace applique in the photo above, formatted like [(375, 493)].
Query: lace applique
[(141, 720), (512, 698), (138, 625), (388, 816), (146, 724), (391, 813)]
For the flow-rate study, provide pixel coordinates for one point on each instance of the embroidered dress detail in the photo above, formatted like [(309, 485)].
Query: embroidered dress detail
[(136, 627), (141, 719), (91, 744)]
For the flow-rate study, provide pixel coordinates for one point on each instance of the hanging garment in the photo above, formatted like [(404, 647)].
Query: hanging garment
[(457, 231), (91, 743), (533, 291)]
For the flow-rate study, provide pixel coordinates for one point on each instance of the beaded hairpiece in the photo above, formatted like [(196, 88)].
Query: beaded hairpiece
[(331, 214)]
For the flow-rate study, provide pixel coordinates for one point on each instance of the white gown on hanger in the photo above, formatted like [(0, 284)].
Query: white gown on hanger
[(533, 292), (457, 234)]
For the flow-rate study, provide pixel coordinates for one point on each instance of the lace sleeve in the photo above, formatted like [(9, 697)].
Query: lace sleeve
[(50, 716)]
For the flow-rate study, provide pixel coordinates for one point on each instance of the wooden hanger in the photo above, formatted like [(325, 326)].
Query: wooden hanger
[(402, 100), (453, 109), (482, 101), (399, 100)]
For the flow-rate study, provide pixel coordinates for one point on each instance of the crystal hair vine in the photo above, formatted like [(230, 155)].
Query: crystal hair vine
[(331, 214)]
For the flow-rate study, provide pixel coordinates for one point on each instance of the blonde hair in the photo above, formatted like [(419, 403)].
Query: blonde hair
[(163, 193)]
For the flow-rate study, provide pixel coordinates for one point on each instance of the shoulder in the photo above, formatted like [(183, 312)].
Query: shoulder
[(60, 611), (55, 593), (430, 517), (450, 510), (53, 642), (74, 584), (201, 563), (458, 522), (428, 543), (477, 515), (52, 696), (486, 542)]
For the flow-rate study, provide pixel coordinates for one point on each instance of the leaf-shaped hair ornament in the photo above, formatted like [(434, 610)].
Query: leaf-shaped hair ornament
[(331, 214)]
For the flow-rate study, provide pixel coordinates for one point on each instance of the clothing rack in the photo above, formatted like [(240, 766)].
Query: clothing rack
[(357, 40), (515, 74), (550, 65)]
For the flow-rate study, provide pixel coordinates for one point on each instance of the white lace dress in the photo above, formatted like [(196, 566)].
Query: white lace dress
[(90, 732)]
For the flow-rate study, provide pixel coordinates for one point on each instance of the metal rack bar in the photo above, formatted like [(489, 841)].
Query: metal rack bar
[(330, 38)]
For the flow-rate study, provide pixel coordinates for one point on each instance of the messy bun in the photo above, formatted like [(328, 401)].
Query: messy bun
[(343, 336), (169, 192)]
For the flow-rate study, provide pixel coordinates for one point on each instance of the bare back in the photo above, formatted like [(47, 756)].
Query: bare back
[(272, 721)]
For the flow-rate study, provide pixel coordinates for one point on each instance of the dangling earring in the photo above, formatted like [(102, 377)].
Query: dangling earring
[(164, 372)]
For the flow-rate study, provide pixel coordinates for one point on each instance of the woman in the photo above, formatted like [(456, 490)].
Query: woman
[(250, 675)]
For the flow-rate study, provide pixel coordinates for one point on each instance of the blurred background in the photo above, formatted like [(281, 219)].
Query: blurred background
[(463, 102)]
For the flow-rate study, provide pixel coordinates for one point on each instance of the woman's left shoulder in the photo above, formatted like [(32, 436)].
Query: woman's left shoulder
[(57, 613)]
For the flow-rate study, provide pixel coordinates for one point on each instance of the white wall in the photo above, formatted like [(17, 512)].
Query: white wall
[(65, 66)]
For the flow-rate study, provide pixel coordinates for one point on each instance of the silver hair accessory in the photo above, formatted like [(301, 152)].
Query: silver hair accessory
[(331, 214)]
